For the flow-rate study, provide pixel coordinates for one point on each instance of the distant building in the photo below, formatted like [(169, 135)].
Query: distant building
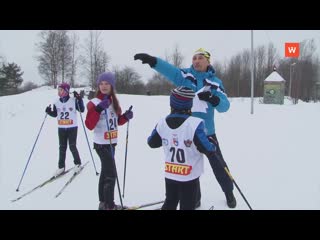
[(274, 87)]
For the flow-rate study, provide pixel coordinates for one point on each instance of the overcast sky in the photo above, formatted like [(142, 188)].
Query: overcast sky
[(19, 45)]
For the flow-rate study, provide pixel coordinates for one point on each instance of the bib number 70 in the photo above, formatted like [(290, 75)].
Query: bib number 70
[(177, 154)]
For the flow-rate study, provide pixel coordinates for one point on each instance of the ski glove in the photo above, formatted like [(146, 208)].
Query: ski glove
[(77, 95), (128, 114), (207, 96), (48, 109), (104, 104), (145, 58), (50, 112)]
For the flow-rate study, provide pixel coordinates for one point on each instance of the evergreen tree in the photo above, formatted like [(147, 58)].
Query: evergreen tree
[(10, 78)]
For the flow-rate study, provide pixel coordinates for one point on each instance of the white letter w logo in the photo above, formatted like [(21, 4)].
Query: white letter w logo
[(292, 49)]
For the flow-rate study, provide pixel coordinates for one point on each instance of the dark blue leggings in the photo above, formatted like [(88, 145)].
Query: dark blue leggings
[(222, 177), (108, 173), (65, 135)]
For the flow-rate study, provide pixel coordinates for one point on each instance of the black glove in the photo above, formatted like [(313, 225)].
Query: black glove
[(50, 112), (48, 109), (207, 96), (77, 95), (145, 58)]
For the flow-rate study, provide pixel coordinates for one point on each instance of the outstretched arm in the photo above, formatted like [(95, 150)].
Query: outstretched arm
[(172, 73)]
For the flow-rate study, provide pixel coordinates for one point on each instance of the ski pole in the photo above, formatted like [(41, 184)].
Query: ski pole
[(125, 161), (232, 179), (114, 162), (85, 132), (31, 152)]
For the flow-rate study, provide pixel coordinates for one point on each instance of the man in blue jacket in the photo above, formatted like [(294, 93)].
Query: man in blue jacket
[(200, 77)]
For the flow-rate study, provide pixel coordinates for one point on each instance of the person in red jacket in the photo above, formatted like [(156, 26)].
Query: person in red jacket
[(103, 117)]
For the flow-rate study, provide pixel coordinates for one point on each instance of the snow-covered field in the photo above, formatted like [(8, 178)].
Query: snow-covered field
[(272, 155)]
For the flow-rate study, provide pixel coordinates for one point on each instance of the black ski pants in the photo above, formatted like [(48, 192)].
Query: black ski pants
[(183, 192), (108, 173), (222, 177), (65, 135)]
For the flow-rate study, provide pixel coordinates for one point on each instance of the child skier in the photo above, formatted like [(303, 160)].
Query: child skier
[(104, 116), (183, 140), (64, 109)]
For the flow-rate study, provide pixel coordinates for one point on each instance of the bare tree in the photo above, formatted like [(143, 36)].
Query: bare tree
[(74, 40), (219, 69), (231, 79), (55, 56), (102, 61), (95, 60), (128, 81), (304, 75), (158, 84), (65, 51), (245, 76), (154, 86), (49, 57), (237, 76), (2, 60), (176, 57), (272, 57), (260, 69), (305, 72)]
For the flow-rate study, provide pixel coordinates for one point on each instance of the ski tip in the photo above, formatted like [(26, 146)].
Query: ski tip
[(17, 190)]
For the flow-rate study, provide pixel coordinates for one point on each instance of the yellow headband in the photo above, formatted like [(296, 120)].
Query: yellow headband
[(203, 52)]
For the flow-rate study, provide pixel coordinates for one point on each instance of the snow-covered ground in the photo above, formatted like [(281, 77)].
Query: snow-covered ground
[(272, 154)]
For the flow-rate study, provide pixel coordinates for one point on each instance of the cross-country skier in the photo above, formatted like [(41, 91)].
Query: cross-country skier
[(64, 109), (183, 140), (105, 107)]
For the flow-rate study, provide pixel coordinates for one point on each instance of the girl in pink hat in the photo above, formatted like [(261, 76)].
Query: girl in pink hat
[(64, 109)]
